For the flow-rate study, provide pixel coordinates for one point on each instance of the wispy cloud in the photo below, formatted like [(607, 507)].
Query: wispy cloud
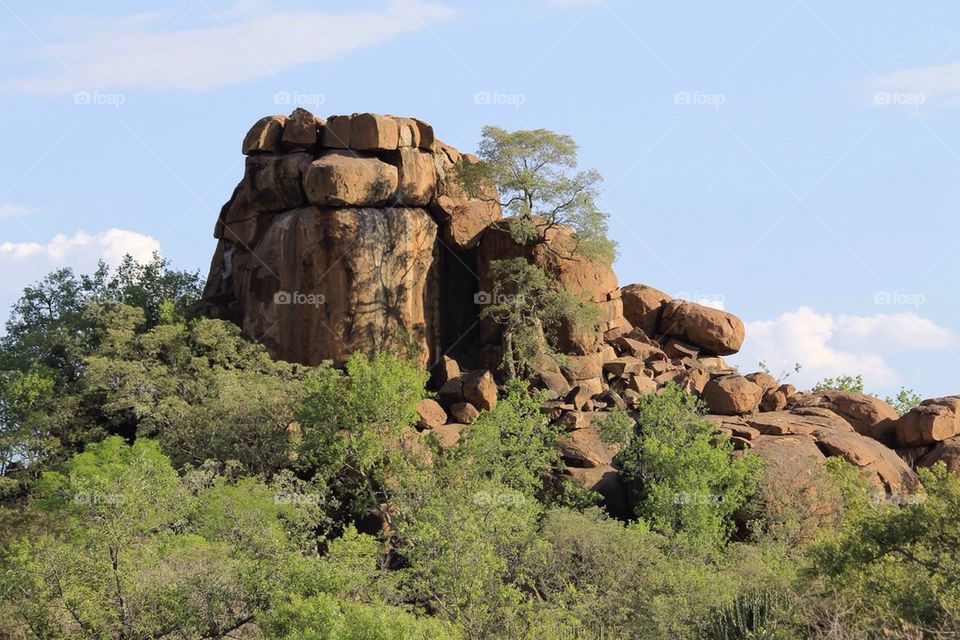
[(829, 345), (249, 41), (10, 210), (935, 84)]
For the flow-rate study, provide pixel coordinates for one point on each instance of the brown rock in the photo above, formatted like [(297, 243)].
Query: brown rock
[(466, 220), (763, 379), (264, 136), (273, 181), (464, 412), (585, 448), (480, 390), (448, 435), (605, 480), (417, 177), (713, 330), (732, 395), (623, 367), (431, 414), (678, 349), (300, 131), (791, 423), (885, 469), (693, 381), (447, 369), (360, 276), (642, 384), (774, 400), (867, 415), (946, 451), (643, 306), (336, 132), (372, 132), (934, 420), (341, 178)]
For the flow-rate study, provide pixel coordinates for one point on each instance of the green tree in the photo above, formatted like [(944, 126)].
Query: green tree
[(904, 401), (129, 550), (682, 473), (536, 177), (894, 569), (514, 444), (852, 384), (533, 311), (49, 324), (357, 429)]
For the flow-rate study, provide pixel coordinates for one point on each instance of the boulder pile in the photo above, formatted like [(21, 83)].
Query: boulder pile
[(354, 234)]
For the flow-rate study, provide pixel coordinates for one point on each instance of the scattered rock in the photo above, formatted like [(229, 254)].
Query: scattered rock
[(715, 331), (732, 395), (431, 414)]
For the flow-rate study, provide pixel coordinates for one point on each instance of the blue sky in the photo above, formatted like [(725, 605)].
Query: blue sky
[(795, 162)]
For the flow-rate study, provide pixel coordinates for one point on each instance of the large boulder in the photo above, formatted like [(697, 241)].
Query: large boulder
[(712, 330), (643, 306), (867, 415), (946, 451), (465, 217), (732, 395), (340, 178), (321, 283), (265, 135), (932, 421)]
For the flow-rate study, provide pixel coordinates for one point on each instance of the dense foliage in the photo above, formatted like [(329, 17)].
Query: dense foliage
[(162, 477)]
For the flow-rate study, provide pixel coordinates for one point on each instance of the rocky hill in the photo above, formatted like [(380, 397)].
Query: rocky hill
[(355, 234)]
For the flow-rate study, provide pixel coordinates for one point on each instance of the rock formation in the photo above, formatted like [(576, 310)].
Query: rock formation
[(355, 234)]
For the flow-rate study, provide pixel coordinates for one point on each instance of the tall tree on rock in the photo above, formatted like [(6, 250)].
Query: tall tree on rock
[(537, 179), (550, 203)]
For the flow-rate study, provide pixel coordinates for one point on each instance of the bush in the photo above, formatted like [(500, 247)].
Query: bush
[(682, 474)]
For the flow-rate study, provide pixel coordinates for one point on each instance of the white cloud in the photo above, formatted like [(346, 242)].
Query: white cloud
[(10, 210), (23, 263), (247, 42), (828, 345), (917, 87)]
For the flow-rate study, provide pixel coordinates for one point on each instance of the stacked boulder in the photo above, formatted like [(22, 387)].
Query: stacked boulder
[(337, 239), (354, 233)]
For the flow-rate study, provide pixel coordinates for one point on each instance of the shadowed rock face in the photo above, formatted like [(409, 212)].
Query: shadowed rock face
[(355, 234), (336, 240)]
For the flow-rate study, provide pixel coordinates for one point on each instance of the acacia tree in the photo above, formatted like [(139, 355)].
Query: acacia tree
[(537, 179), (551, 203)]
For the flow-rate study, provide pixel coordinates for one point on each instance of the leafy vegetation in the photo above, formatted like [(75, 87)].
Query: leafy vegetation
[(161, 476)]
